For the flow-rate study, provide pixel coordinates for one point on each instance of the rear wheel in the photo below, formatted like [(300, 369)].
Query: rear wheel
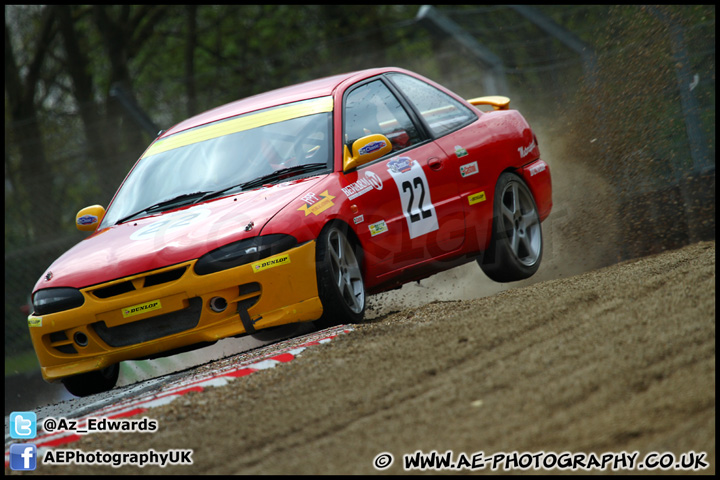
[(92, 382), (516, 245), (339, 276)]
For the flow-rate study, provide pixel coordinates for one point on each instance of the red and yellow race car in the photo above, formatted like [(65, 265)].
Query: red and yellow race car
[(291, 206)]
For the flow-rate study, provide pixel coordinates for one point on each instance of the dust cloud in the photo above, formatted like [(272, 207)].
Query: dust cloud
[(581, 234)]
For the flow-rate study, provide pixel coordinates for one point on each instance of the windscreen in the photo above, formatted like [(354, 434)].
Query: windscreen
[(213, 158)]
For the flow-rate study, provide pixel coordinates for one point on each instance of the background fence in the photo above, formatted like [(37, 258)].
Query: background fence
[(626, 93)]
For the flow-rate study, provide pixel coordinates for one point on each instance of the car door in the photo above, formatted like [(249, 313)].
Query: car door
[(406, 203), (468, 145)]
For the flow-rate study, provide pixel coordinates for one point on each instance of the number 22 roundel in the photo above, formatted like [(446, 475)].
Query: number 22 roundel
[(414, 195)]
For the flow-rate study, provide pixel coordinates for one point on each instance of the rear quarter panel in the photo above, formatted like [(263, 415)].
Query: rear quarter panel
[(537, 176), (519, 152), (498, 141)]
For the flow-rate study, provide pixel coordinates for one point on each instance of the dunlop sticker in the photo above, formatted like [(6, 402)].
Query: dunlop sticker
[(476, 198), (142, 308), (271, 262), (34, 321)]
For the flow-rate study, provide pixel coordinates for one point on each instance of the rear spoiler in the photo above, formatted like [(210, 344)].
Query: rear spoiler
[(496, 101)]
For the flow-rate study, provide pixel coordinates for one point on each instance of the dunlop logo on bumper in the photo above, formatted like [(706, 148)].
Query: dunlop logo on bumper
[(142, 308), (270, 263)]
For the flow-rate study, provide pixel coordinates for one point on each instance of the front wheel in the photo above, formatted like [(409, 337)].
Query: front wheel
[(93, 382), (339, 276), (516, 245)]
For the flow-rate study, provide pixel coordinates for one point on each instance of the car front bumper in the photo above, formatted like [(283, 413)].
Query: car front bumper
[(145, 315)]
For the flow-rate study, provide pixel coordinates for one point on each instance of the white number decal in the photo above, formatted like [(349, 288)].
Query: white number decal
[(414, 196)]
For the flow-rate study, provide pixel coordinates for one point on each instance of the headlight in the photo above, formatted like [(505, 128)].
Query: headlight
[(242, 252), (53, 300)]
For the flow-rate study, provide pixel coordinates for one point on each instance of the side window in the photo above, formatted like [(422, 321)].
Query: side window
[(372, 108), (441, 112)]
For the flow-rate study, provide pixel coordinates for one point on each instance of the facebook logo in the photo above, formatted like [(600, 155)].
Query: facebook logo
[(23, 456), (23, 425)]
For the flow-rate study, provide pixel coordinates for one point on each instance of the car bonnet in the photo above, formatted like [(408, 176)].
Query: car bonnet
[(169, 238)]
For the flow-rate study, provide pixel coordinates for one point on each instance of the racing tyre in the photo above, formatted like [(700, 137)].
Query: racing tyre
[(92, 382), (516, 246), (339, 277)]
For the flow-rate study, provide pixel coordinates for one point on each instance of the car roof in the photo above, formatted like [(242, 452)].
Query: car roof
[(302, 91)]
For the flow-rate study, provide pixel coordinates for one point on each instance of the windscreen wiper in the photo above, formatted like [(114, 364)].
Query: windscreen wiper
[(281, 174), (185, 198)]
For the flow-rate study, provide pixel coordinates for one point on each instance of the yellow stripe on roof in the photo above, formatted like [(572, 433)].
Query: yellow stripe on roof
[(246, 122)]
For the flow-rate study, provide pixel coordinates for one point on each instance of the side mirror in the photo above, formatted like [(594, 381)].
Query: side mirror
[(365, 150), (88, 219)]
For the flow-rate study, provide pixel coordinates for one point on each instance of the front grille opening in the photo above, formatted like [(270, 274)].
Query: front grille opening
[(58, 337), (69, 349), (164, 277), (60, 342), (249, 294), (149, 281), (114, 290), (249, 289), (151, 328)]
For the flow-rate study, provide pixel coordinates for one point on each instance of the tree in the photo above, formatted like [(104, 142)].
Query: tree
[(29, 174), (124, 30)]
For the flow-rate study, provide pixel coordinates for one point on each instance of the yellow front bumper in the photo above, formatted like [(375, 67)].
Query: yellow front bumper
[(154, 312)]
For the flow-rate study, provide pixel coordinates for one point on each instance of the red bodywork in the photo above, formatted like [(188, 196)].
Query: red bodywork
[(497, 141)]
